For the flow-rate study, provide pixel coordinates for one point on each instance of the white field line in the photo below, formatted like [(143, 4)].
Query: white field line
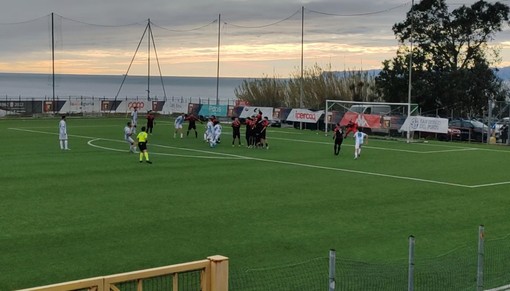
[(92, 144), (502, 288), (289, 163), (458, 149)]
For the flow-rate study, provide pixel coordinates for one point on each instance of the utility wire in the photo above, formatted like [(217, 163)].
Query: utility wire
[(266, 25), (185, 30), (360, 14), (99, 25), (25, 21)]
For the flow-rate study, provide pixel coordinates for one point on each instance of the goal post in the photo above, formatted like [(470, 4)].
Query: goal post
[(376, 117)]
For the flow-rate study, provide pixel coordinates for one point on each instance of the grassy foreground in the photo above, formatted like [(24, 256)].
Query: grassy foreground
[(96, 211)]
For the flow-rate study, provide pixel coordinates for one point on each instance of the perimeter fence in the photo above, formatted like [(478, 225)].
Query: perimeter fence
[(455, 270)]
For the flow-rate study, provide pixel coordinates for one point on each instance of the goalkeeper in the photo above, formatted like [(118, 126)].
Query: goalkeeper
[(351, 127)]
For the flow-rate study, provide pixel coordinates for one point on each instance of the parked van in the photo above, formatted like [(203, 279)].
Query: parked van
[(371, 109)]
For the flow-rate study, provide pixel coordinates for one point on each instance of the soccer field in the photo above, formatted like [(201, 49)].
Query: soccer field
[(95, 210)]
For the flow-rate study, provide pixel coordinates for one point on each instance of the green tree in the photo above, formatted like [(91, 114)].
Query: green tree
[(451, 61)]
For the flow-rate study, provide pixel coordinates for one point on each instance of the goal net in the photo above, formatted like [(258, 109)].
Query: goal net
[(373, 117)]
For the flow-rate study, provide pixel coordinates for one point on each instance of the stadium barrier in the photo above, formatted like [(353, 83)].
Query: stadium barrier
[(210, 274)]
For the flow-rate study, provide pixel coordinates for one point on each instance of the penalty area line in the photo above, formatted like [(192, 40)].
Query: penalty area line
[(239, 157)]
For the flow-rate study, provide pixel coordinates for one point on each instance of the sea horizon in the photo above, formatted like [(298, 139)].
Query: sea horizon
[(40, 85)]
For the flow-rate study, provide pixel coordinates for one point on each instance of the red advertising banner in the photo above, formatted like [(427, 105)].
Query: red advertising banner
[(363, 120)]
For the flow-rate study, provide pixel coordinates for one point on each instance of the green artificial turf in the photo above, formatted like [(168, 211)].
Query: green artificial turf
[(95, 210)]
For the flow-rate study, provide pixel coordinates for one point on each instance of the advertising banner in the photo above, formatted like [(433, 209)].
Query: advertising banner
[(363, 120), (428, 124), (178, 105), (21, 107), (249, 111), (216, 110), (304, 115)]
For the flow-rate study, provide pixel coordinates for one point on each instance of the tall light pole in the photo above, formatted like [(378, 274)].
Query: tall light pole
[(218, 62), (410, 73)]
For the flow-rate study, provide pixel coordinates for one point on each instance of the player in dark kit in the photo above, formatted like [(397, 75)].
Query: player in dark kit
[(150, 121), (249, 132), (192, 123), (338, 136), (236, 131)]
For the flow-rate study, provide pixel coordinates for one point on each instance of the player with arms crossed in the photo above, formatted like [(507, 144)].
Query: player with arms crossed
[(62, 133), (360, 138)]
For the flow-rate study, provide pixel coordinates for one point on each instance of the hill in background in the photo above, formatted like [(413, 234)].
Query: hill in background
[(503, 73)]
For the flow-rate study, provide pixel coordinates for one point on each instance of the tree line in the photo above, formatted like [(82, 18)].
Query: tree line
[(451, 65)]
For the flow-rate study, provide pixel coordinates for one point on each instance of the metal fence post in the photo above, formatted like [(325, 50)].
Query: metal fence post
[(481, 257), (332, 264), (410, 275)]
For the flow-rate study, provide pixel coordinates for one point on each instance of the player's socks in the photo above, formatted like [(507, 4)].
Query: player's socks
[(141, 157), (65, 145), (182, 135), (146, 154)]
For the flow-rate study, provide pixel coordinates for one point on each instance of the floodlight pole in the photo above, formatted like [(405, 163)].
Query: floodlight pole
[(218, 62), (410, 74), (53, 106), (301, 89), (149, 30)]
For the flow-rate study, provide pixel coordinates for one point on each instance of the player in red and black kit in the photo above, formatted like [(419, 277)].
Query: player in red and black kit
[(236, 131), (192, 123), (150, 121), (249, 132), (338, 136), (351, 127), (262, 135)]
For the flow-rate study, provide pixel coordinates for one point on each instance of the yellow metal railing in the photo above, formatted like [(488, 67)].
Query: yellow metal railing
[(213, 277)]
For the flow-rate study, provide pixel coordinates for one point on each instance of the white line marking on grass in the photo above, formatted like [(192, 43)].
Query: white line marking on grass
[(91, 143), (224, 155), (380, 148)]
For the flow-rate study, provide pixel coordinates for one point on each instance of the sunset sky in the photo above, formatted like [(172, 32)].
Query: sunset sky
[(257, 38)]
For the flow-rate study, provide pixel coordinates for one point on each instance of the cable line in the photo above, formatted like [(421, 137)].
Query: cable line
[(185, 30), (266, 25), (360, 14), (25, 21), (100, 25)]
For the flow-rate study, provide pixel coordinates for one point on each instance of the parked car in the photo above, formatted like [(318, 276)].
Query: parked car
[(276, 123), (470, 130), (451, 135)]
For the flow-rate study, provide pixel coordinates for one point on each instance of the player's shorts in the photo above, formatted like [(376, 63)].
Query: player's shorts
[(192, 126), (62, 136), (129, 140), (142, 146), (178, 126), (339, 140), (357, 145)]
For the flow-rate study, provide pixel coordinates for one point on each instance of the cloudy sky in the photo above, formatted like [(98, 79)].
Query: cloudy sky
[(257, 37)]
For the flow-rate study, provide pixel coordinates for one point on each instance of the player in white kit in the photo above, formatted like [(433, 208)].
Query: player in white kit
[(128, 132), (216, 134), (360, 138), (62, 134)]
